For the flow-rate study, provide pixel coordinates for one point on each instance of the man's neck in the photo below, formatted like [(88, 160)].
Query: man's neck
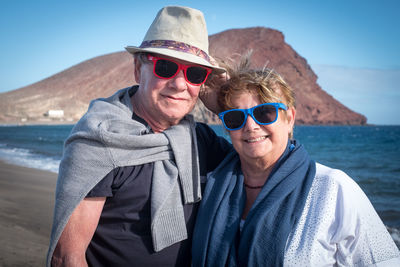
[(156, 125)]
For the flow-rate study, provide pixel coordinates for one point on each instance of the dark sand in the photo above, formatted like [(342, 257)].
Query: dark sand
[(26, 212)]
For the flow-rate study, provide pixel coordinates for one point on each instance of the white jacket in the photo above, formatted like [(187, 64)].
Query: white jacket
[(339, 227)]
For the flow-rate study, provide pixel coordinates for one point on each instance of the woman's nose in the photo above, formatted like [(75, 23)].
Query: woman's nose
[(250, 124)]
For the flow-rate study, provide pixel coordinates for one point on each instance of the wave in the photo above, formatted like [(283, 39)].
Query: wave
[(26, 158)]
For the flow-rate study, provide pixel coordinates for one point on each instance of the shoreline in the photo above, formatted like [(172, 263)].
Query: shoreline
[(26, 214)]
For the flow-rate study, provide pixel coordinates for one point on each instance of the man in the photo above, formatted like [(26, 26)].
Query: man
[(130, 175)]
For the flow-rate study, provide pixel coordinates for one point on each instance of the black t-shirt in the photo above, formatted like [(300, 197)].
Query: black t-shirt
[(123, 235)]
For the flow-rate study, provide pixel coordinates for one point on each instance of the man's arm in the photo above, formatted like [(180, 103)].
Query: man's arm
[(74, 240)]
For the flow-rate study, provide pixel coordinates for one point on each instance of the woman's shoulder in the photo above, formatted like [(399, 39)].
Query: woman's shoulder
[(335, 175), (340, 191), (328, 179)]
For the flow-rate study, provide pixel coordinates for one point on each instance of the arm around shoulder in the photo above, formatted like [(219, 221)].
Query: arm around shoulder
[(72, 245)]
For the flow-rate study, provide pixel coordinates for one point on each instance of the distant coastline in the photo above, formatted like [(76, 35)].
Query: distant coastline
[(39, 122), (209, 122)]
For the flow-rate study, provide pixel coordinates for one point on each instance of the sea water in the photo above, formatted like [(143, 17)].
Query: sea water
[(368, 154)]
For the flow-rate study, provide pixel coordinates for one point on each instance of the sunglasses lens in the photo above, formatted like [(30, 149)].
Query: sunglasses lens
[(165, 68), (234, 119), (265, 113), (196, 75)]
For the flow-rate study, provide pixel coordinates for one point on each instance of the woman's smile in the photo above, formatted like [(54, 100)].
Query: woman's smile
[(256, 139)]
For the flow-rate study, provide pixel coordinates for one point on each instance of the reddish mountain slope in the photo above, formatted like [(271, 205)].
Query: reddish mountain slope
[(314, 106)]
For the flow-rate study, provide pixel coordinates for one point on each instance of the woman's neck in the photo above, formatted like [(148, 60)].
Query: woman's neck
[(256, 172), (255, 176)]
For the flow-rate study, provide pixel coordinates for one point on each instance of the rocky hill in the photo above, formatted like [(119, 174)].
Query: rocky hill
[(71, 90)]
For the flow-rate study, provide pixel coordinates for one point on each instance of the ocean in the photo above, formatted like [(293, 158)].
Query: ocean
[(368, 154)]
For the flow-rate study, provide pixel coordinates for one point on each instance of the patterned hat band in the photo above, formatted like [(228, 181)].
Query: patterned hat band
[(177, 46)]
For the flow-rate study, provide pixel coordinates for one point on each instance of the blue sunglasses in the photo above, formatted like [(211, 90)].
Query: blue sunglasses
[(263, 114)]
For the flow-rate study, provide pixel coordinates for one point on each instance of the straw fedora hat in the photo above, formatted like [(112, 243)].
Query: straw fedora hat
[(178, 32)]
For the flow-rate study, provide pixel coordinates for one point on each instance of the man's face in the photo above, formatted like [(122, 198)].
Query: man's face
[(165, 100)]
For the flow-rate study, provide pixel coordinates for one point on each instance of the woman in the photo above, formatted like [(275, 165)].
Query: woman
[(269, 204)]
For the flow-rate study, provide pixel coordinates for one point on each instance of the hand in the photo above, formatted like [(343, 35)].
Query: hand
[(209, 92)]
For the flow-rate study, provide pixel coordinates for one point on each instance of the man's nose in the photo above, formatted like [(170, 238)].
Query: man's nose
[(179, 81)]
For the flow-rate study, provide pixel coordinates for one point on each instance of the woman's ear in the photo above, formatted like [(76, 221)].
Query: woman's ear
[(137, 70), (291, 116)]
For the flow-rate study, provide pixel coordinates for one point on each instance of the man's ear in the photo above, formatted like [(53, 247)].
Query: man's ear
[(137, 70)]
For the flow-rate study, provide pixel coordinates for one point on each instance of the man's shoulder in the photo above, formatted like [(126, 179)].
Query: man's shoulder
[(202, 125), (203, 131)]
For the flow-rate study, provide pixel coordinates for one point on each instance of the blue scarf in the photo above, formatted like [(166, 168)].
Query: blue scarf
[(217, 240)]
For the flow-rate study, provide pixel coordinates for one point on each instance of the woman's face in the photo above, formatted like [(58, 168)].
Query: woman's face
[(264, 143)]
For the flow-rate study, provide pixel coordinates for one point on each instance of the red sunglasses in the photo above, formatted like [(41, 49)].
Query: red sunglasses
[(168, 69)]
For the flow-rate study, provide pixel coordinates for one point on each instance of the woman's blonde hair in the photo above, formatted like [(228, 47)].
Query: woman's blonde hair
[(265, 83)]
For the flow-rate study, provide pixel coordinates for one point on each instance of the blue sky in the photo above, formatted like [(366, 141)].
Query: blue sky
[(353, 46)]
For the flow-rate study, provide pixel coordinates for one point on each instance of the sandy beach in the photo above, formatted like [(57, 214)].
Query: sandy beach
[(26, 212)]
